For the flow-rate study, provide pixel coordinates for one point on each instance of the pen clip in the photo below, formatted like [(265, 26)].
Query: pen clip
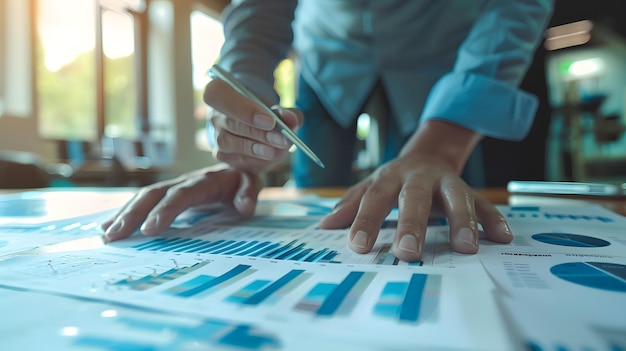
[(218, 72)]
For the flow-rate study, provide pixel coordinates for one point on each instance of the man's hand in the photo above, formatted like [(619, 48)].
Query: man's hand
[(156, 206), (423, 178), (244, 135)]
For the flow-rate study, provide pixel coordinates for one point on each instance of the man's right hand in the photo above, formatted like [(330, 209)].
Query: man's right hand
[(244, 135)]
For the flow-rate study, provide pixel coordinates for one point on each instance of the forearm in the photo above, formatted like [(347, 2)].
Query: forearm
[(257, 37), (443, 141)]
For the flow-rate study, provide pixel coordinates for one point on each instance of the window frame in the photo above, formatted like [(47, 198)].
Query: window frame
[(140, 33)]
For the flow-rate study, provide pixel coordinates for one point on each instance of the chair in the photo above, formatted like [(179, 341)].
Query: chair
[(22, 170)]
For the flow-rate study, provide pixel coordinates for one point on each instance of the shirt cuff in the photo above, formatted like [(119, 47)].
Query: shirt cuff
[(487, 106)]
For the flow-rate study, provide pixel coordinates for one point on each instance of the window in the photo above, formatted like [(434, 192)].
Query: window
[(66, 69), (15, 59), (87, 72), (206, 41)]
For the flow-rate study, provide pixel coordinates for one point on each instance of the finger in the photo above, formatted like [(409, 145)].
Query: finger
[(246, 162), (414, 205), (130, 217), (346, 209), (236, 128), (458, 202), (495, 226), (212, 187), (375, 205), (228, 143), (106, 224), (246, 198), (225, 99)]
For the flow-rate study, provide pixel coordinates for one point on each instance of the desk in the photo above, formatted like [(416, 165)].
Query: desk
[(459, 306), (498, 196)]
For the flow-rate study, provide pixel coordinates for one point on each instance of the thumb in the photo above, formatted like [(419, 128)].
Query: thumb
[(245, 200)]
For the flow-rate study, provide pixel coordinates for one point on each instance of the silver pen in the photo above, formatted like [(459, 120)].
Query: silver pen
[(218, 72)]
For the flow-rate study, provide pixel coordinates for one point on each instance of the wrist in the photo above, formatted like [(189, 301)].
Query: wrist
[(442, 140)]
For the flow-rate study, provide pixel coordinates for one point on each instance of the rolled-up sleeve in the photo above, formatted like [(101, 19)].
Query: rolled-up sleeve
[(482, 93), (258, 36)]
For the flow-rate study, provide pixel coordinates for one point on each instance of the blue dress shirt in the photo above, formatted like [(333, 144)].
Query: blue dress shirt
[(456, 60)]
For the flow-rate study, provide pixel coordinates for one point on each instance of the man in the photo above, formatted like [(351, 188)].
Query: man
[(448, 69)]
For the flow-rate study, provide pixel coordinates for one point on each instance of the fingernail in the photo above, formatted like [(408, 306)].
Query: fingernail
[(113, 230), (408, 243), (263, 150), (277, 139), (504, 228), (149, 224), (466, 236), (263, 121), (360, 239)]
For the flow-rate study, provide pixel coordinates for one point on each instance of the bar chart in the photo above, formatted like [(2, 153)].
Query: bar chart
[(156, 279), (296, 250), (412, 301), (267, 291), (328, 299), (202, 285)]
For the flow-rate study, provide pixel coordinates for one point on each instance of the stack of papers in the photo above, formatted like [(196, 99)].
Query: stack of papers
[(278, 282)]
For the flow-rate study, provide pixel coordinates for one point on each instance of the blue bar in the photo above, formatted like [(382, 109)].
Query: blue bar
[(287, 255), (235, 245), (237, 250), (302, 255), (334, 300), (316, 256), (157, 243), (192, 245), (264, 250), (254, 248), (163, 244), (413, 298), (214, 282), (181, 243), (221, 245), (329, 256), (272, 288), (143, 246), (209, 246), (205, 245), (282, 250)]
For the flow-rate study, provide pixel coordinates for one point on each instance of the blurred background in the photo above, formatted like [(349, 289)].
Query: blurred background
[(109, 93)]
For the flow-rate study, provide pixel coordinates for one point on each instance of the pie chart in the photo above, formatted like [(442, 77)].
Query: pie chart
[(597, 275), (576, 240)]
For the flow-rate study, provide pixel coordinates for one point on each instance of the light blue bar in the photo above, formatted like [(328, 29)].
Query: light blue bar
[(334, 300)]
